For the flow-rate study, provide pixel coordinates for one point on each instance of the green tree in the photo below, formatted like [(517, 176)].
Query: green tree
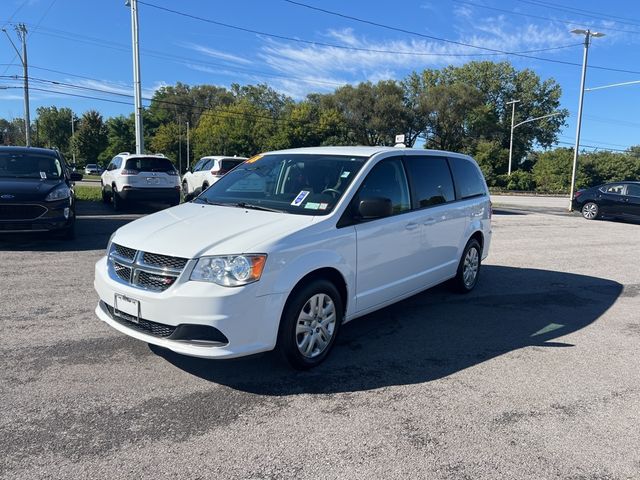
[(120, 137), (166, 141), (54, 128), (90, 139)]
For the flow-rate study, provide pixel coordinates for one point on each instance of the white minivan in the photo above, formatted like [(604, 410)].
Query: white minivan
[(290, 245)]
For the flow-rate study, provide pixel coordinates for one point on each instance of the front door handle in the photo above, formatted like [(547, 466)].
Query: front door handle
[(411, 226), (429, 221)]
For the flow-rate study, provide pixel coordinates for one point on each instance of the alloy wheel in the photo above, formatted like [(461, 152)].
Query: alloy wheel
[(316, 325), (470, 267)]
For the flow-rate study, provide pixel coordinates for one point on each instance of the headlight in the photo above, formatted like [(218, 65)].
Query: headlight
[(229, 270), (58, 193)]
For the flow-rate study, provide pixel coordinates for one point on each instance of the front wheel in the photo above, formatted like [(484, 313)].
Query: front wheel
[(590, 210), (469, 267), (310, 324)]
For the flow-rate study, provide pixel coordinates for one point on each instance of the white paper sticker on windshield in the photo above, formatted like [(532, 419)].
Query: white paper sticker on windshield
[(345, 174), (43, 175), (312, 206), (300, 198), (323, 206)]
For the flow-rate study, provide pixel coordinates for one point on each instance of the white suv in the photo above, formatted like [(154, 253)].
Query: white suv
[(207, 171), (143, 177), (287, 247)]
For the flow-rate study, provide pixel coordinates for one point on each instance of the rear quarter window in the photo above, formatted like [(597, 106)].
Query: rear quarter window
[(467, 177)]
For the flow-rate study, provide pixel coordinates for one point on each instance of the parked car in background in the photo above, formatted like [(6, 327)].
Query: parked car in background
[(206, 172), (617, 199), (132, 177), (92, 169), (288, 246), (36, 191)]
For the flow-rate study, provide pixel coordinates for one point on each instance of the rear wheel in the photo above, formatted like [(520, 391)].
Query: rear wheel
[(310, 324), (469, 267), (590, 211), (118, 202), (105, 196)]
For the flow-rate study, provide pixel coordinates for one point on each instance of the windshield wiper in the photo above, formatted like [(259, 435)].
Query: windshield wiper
[(251, 206)]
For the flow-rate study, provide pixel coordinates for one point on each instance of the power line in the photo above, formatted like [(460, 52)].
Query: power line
[(539, 17), (595, 146), (576, 11), (455, 42), (585, 10), (345, 47)]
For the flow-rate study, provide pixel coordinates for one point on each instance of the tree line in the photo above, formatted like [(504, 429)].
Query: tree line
[(460, 108)]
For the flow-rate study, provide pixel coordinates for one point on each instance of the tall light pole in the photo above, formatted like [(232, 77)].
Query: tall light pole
[(587, 40), (513, 116), (188, 160), (73, 132), (137, 89), (21, 29)]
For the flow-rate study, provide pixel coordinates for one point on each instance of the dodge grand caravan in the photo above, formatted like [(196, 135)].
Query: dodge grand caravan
[(290, 245)]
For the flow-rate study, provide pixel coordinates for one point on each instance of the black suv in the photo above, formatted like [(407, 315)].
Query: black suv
[(36, 191)]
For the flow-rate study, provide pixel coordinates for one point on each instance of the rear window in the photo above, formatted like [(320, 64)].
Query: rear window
[(149, 164), (467, 177), (230, 164)]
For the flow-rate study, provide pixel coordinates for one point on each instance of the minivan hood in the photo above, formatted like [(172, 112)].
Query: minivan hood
[(192, 230), (27, 189)]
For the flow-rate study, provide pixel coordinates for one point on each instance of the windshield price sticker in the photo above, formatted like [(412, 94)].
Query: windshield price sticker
[(300, 198), (312, 206), (43, 175)]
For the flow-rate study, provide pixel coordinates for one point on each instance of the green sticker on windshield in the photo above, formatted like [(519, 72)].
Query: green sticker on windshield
[(312, 206)]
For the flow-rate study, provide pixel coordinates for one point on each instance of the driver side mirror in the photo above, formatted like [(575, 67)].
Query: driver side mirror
[(375, 207)]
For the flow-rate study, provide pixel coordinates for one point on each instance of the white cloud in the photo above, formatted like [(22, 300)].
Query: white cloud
[(211, 52)]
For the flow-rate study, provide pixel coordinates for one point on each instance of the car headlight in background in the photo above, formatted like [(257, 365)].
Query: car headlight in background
[(229, 270), (58, 193)]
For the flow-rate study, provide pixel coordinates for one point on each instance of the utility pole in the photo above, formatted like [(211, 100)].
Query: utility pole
[(21, 30), (513, 116), (587, 40), (137, 89), (73, 132), (179, 144), (188, 159)]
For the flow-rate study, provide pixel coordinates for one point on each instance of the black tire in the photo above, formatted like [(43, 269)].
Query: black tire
[(590, 211), (461, 282), (288, 337), (105, 196), (204, 187), (118, 202)]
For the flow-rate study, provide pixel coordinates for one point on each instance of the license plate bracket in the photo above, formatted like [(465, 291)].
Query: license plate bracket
[(126, 308)]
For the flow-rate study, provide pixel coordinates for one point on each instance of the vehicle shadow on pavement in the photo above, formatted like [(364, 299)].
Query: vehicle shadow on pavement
[(430, 335)]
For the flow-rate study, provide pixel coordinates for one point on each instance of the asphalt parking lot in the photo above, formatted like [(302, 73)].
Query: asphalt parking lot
[(534, 375)]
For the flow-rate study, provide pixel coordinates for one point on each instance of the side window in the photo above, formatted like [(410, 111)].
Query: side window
[(201, 164), (633, 190), (430, 179), (388, 180), (615, 189), (467, 177)]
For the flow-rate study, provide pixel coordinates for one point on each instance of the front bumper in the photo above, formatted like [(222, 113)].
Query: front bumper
[(247, 321), (150, 194), (53, 217)]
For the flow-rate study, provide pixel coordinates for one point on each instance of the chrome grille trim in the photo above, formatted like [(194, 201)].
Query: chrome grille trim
[(128, 266)]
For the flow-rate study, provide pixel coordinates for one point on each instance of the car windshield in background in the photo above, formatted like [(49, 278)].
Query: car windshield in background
[(29, 165), (149, 164), (303, 184)]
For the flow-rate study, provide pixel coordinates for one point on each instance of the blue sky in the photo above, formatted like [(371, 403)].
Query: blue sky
[(87, 44)]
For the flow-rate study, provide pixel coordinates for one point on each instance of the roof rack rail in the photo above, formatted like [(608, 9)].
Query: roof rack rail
[(159, 154), (124, 153)]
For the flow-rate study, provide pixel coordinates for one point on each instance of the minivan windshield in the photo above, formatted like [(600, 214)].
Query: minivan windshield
[(303, 184), (29, 165)]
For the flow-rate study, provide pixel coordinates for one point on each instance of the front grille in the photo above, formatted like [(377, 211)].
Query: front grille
[(144, 326), (21, 212), (148, 271), (164, 261), (153, 281), (124, 252), (122, 271)]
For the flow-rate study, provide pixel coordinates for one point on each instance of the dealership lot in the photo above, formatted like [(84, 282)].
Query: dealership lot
[(532, 375)]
